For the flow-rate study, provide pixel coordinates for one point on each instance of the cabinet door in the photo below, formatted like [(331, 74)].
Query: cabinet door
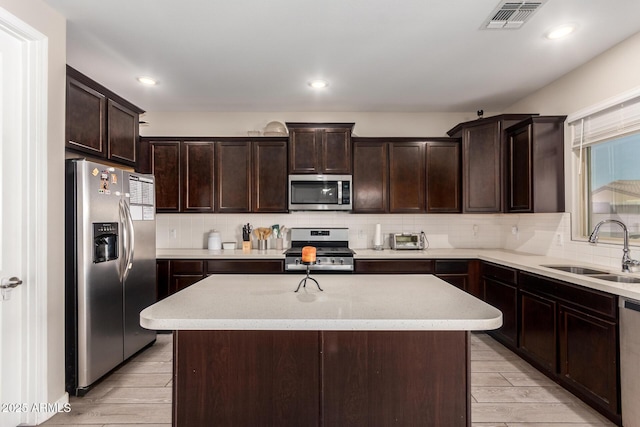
[(443, 177), (504, 297), (163, 280), (304, 149), (482, 174), (406, 177), (85, 109), (588, 357), (269, 176), (233, 184), (370, 177), (165, 166), (519, 198), (197, 176), (336, 151), (185, 273), (538, 327), (122, 133)]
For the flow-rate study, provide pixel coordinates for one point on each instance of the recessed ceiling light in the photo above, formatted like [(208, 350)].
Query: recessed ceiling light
[(147, 81), (560, 32), (318, 84)]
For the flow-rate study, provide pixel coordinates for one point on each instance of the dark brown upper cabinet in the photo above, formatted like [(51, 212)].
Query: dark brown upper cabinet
[(198, 168), (370, 176), (217, 175), (183, 173), (122, 133), (269, 191), (85, 119), (406, 177), (535, 165), (483, 161), (164, 164), (100, 123), (320, 148), (444, 187), (233, 180)]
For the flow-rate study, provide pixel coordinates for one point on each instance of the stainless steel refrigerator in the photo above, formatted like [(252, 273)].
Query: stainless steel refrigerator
[(110, 268)]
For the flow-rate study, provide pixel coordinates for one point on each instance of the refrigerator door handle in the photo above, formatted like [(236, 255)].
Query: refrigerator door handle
[(125, 242), (130, 238)]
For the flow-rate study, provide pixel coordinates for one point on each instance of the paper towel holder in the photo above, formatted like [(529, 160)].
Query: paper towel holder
[(377, 239)]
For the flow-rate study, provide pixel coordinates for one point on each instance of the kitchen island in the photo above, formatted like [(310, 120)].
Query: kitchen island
[(368, 350)]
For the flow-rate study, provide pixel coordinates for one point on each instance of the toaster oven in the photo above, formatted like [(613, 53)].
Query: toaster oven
[(406, 241)]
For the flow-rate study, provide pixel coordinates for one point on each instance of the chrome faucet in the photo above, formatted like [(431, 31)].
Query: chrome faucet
[(628, 264)]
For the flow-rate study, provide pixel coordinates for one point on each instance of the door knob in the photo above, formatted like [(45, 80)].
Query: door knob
[(7, 284)]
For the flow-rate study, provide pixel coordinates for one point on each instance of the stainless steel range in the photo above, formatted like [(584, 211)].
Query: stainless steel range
[(332, 249)]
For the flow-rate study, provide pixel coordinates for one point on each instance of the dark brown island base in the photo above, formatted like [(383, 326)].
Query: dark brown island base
[(368, 350)]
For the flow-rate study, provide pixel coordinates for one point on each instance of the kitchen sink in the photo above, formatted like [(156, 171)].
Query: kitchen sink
[(616, 278), (575, 269)]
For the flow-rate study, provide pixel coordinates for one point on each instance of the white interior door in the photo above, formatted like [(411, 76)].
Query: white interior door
[(12, 396)]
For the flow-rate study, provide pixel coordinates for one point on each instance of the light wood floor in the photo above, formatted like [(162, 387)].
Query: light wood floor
[(506, 392)]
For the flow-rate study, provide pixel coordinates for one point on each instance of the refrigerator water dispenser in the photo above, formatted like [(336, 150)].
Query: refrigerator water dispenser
[(105, 241)]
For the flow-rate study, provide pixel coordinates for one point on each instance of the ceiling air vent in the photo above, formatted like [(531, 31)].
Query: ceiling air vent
[(511, 15)]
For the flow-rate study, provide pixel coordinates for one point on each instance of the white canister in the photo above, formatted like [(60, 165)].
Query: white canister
[(215, 242)]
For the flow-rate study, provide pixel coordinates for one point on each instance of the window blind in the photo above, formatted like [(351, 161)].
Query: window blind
[(613, 118)]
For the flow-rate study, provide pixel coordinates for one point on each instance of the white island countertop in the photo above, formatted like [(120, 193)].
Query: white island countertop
[(348, 302)]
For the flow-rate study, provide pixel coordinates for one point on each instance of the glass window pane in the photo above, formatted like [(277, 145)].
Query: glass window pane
[(614, 185)]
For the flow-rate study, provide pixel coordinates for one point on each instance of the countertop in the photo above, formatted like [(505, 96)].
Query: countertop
[(348, 302), (521, 261)]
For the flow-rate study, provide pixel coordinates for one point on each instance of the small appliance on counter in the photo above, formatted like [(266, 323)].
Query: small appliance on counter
[(406, 241)]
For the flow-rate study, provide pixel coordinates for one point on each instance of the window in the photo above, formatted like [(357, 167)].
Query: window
[(606, 139)]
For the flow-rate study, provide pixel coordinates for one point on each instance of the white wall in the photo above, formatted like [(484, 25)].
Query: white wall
[(609, 74), (238, 124), (43, 18)]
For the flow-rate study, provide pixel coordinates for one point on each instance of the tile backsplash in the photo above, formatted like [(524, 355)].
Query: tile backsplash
[(539, 234)]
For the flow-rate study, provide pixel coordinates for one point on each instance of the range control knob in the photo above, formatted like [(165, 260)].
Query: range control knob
[(341, 260), (333, 261), (318, 261), (297, 261)]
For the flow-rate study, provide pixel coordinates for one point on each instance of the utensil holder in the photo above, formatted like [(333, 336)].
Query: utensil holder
[(262, 245), (279, 245)]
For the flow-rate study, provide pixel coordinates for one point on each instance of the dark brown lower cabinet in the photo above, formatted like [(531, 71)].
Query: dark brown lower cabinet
[(328, 378), (395, 266), (245, 266), (184, 273), (504, 297), (588, 358), (570, 333), (461, 273), (177, 274), (163, 280), (538, 326), (246, 378)]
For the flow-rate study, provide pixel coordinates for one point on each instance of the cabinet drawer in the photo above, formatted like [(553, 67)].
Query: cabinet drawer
[(505, 274), (254, 266), (600, 303), (452, 266), (187, 267), (399, 266)]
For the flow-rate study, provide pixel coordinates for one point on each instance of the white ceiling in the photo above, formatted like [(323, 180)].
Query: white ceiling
[(378, 55)]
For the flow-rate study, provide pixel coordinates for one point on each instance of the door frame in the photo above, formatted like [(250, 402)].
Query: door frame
[(34, 124)]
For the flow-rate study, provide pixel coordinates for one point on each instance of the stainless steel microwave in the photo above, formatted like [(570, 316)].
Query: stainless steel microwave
[(320, 192)]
